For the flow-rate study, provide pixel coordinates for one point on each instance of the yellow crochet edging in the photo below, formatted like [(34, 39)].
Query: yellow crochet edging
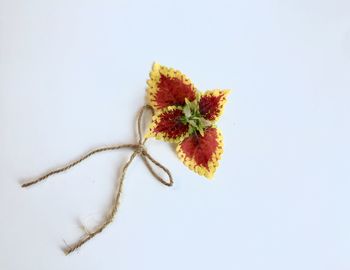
[(213, 163), (223, 100), (153, 81), (161, 135)]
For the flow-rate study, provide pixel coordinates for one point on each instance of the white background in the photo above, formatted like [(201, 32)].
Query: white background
[(72, 77)]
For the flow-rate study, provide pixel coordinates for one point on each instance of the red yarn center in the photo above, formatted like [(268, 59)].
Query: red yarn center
[(173, 91), (209, 106), (201, 148), (170, 123)]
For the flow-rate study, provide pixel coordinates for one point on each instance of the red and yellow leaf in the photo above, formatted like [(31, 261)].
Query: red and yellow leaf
[(167, 126), (168, 87), (202, 153), (211, 104)]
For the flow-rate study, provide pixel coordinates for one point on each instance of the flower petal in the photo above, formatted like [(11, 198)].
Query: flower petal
[(168, 87), (167, 126), (211, 104), (202, 153)]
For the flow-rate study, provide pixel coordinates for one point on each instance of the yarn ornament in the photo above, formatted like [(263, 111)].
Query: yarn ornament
[(181, 115), (187, 117)]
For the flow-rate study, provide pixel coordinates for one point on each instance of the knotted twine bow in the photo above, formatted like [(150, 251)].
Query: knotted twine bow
[(139, 149)]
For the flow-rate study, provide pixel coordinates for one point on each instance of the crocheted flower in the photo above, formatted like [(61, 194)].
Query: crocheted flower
[(187, 117)]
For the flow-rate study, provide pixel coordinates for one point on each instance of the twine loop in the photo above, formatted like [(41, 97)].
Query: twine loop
[(139, 149)]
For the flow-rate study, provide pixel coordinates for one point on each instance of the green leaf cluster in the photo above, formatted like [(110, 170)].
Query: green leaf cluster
[(193, 118)]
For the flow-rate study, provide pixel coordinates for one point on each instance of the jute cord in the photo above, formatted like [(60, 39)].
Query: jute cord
[(139, 149)]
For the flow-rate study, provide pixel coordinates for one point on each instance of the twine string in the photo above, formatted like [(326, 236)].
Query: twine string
[(139, 149)]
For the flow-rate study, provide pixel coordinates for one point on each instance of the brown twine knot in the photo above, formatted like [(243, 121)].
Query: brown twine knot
[(139, 149)]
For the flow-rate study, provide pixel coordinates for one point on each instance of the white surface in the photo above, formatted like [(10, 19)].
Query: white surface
[(72, 76)]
